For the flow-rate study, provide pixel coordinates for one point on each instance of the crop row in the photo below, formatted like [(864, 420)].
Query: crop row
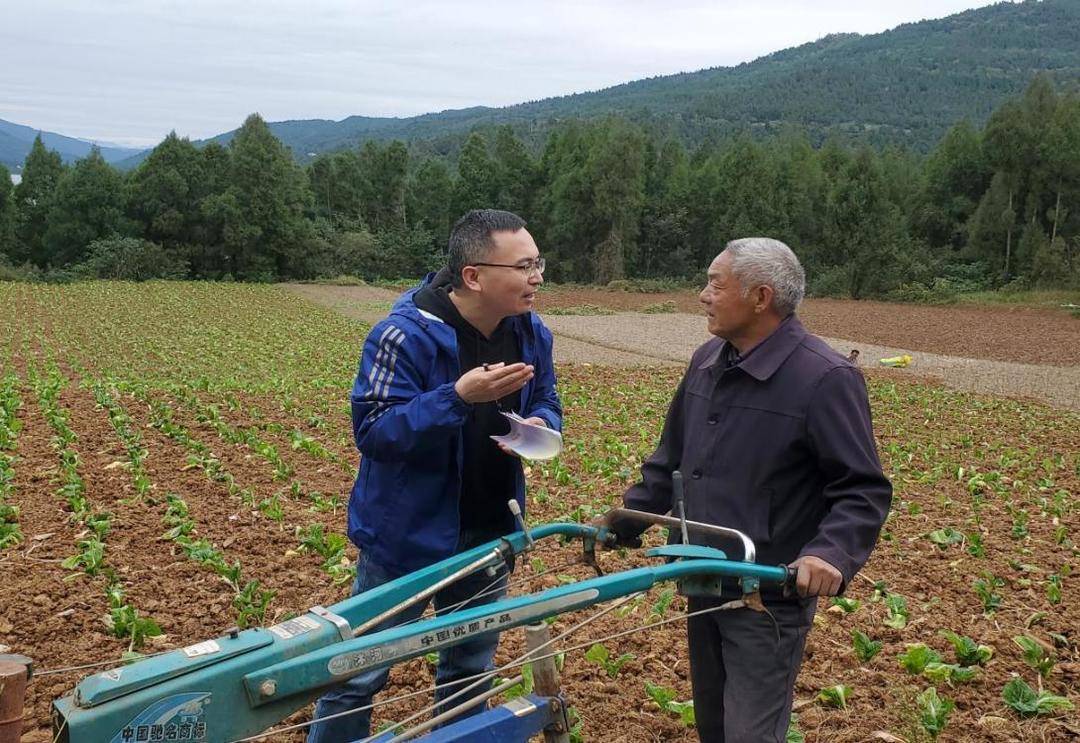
[(123, 620), (10, 531)]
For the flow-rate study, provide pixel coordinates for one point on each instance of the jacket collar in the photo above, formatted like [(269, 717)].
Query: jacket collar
[(766, 357), (405, 305)]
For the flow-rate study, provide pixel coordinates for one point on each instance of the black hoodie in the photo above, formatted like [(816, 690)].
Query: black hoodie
[(487, 476)]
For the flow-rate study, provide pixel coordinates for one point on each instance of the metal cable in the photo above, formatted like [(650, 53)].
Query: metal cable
[(521, 659), (465, 706), (118, 662), (485, 675), (490, 589)]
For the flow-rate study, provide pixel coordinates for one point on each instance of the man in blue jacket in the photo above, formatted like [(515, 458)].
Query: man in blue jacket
[(771, 430), (434, 378)]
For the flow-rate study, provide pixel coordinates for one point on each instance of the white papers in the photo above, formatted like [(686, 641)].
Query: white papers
[(529, 440)]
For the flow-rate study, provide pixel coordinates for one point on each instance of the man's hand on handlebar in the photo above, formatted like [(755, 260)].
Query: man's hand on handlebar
[(616, 540), (817, 577)]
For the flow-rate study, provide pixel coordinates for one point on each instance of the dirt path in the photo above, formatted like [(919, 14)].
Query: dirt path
[(1024, 334), (635, 339), (369, 304)]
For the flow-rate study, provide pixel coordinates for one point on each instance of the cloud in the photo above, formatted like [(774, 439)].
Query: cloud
[(132, 71)]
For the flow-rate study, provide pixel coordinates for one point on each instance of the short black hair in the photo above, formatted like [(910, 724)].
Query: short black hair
[(471, 241)]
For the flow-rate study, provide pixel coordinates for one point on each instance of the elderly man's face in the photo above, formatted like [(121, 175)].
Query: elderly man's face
[(729, 313)]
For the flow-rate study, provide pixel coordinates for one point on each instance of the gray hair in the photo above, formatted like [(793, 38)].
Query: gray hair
[(762, 261)]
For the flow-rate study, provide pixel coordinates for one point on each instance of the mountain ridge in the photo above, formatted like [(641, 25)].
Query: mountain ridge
[(905, 86), (17, 139)]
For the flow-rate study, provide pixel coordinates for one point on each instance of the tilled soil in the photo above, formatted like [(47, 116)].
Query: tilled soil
[(932, 443), (60, 625)]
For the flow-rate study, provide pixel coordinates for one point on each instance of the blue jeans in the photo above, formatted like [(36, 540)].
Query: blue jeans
[(455, 662)]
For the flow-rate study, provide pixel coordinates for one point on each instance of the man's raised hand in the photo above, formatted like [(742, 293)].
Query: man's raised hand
[(492, 381)]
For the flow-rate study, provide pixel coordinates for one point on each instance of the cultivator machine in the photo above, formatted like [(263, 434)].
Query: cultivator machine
[(234, 687)]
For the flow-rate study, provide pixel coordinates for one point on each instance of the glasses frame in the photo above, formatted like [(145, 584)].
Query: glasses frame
[(528, 269)]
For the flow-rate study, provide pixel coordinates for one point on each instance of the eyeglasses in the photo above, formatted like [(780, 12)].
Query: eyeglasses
[(528, 268)]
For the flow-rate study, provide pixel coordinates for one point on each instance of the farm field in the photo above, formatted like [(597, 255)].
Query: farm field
[(175, 459)]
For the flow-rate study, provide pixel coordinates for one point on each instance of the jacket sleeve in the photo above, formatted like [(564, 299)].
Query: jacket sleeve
[(544, 401), (394, 414), (653, 492), (858, 493)]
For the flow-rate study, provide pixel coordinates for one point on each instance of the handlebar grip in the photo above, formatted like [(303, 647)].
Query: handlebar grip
[(789, 582)]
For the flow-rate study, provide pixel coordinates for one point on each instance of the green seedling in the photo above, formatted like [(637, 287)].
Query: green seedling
[(949, 672), (600, 655), (985, 590), (1024, 700), (835, 696), (946, 537), (1035, 655), (794, 735), (10, 531), (271, 508), (576, 724), (90, 558), (124, 621), (933, 711), (666, 698), (975, 544), (1053, 589), (323, 503), (520, 689), (251, 604), (661, 605), (968, 652), (897, 609), (917, 657), (865, 648), (849, 606)]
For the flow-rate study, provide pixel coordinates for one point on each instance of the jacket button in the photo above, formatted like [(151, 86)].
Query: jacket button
[(696, 474), (712, 420)]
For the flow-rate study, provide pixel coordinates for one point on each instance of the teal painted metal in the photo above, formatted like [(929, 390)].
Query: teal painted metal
[(336, 663), (102, 687), (687, 551), (237, 686)]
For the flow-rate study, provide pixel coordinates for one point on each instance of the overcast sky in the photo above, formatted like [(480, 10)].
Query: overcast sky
[(128, 71)]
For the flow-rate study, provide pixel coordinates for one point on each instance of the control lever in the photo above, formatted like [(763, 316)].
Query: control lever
[(680, 503), (515, 509)]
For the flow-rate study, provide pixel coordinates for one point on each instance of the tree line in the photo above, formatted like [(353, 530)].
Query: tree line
[(605, 200)]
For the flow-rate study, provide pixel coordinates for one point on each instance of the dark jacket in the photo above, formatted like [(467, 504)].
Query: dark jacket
[(407, 423), (779, 445)]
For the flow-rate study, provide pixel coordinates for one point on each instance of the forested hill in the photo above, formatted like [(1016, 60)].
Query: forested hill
[(907, 85), (16, 141)]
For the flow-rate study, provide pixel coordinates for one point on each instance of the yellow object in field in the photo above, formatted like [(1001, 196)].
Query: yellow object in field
[(897, 361)]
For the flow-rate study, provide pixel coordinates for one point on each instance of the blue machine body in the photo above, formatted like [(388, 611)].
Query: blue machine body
[(517, 720), (241, 684)]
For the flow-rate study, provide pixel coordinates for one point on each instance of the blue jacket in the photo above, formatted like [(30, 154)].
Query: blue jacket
[(407, 422)]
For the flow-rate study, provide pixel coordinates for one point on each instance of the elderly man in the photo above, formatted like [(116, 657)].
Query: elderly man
[(771, 429), (434, 378)]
